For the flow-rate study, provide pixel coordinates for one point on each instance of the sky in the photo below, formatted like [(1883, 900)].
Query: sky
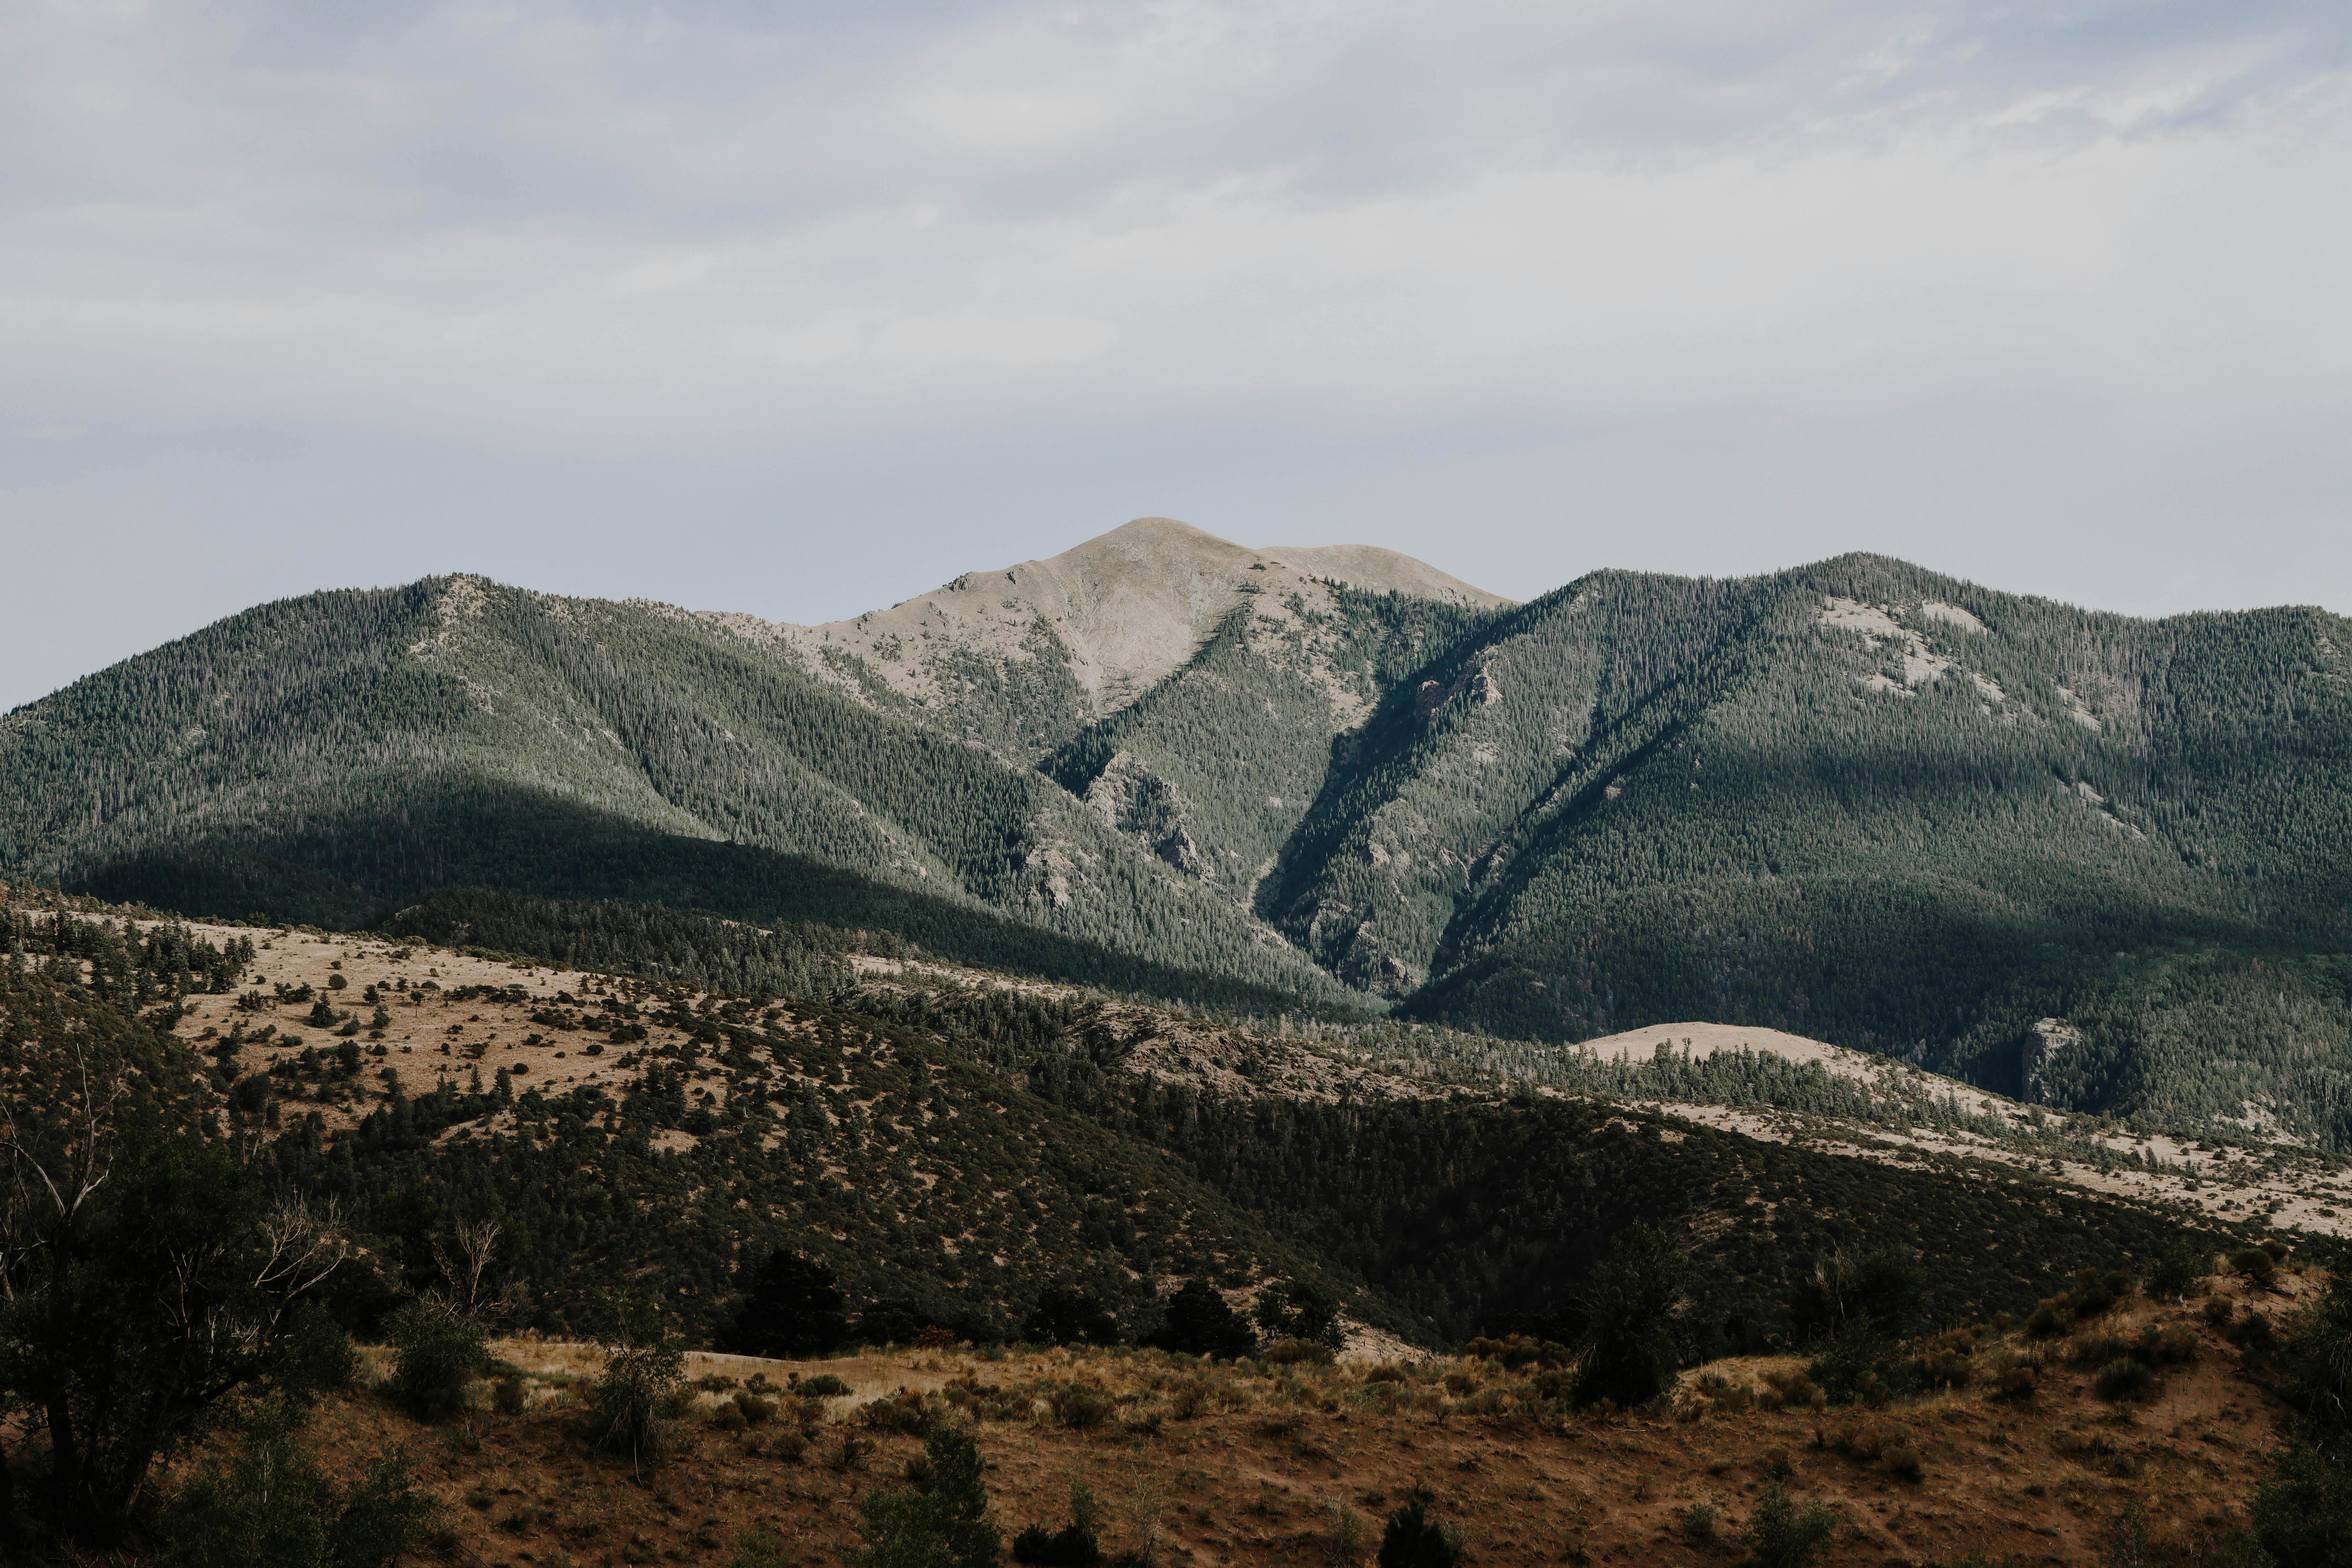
[(802, 309)]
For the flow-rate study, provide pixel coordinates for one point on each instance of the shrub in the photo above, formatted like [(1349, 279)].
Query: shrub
[(2219, 1310), (2122, 1380), (1861, 1364), (1301, 1309), (2317, 1356), (1514, 1352), (1347, 1534), (1074, 1545), (755, 1411), (1298, 1353), (645, 1369), (2016, 1377), (1883, 1291), (2176, 1273), (1944, 1362), (271, 1505), (1189, 1398), (2303, 1514), (760, 1548), (1081, 1406), (1781, 1535), (906, 1411), (2097, 1349), (1875, 1440), (1413, 1540), (891, 1322), (437, 1352), (1697, 1524), (1793, 1388), (2252, 1336), (938, 1520)]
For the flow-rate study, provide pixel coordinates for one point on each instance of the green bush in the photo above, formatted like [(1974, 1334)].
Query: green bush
[(2316, 1352), (1303, 1310), (1413, 1540), (645, 1370), (1065, 1315), (757, 1547), (437, 1352), (793, 1308), (269, 1505), (938, 1520), (1074, 1545), (1081, 1406), (2123, 1380), (2303, 1514), (2176, 1271), (1784, 1534)]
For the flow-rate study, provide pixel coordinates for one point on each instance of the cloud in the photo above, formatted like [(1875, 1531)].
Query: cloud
[(695, 233)]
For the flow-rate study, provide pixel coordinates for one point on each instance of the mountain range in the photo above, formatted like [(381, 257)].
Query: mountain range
[(2103, 861)]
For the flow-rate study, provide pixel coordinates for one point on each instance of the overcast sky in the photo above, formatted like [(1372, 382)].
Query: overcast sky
[(800, 308)]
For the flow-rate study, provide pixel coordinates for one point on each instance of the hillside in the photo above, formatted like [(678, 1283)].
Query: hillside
[(958, 1144), (333, 758), (2101, 863), (1265, 1464)]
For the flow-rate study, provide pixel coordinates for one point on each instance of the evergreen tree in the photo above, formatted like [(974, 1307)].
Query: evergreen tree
[(1200, 1322), (1630, 1357), (793, 1309)]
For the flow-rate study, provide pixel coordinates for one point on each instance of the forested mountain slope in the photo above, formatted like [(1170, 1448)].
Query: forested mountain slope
[(332, 757), (1873, 805), (1857, 800)]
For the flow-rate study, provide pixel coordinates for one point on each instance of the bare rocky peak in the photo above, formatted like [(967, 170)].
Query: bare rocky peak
[(1129, 606)]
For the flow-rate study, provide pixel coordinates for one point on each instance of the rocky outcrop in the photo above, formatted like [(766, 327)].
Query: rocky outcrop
[(2041, 1047), (1473, 684), (1138, 802)]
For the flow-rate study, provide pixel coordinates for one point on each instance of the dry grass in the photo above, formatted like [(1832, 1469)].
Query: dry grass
[(1269, 1465)]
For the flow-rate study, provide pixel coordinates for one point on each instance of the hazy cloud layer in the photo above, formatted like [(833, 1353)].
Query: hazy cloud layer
[(798, 309)]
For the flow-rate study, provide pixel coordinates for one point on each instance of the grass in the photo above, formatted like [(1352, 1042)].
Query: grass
[(1226, 1467)]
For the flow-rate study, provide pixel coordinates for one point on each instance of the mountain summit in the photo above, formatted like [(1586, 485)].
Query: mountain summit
[(1100, 624)]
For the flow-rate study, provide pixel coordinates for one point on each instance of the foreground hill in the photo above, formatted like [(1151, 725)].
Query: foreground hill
[(632, 1103), (1266, 1464), (2098, 862), (960, 1142)]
